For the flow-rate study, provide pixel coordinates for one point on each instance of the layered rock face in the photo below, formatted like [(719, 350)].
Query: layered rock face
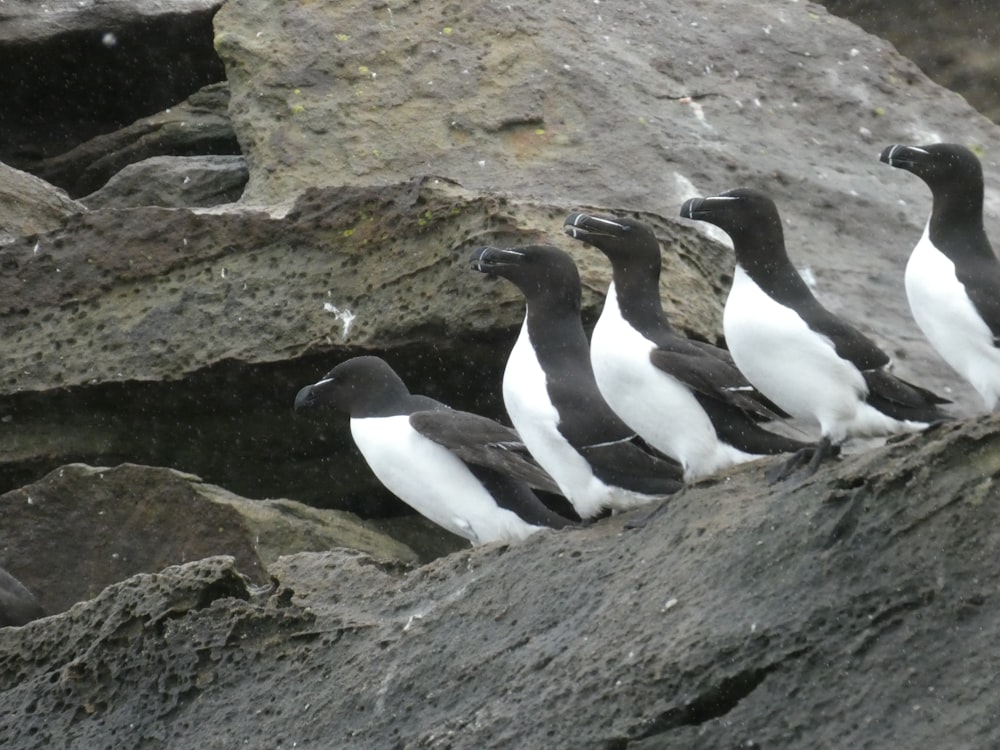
[(204, 247)]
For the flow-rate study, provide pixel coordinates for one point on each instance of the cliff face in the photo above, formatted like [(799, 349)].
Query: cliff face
[(857, 609), (147, 322)]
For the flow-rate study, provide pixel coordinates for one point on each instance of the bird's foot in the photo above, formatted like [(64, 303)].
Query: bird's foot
[(643, 521), (812, 457)]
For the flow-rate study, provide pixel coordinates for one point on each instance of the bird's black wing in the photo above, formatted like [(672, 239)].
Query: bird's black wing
[(848, 341), (713, 378), (627, 464), (902, 400), (981, 279), (483, 442)]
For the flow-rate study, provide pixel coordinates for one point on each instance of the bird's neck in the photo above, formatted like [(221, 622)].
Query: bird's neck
[(638, 298), (957, 220)]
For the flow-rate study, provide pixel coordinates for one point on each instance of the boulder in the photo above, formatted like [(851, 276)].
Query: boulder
[(74, 70), (82, 528), (964, 56), (538, 99), (29, 205), (207, 322), (857, 608), (197, 126), (173, 182), (202, 326)]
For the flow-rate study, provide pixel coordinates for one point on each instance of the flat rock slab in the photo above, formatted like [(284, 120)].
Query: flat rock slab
[(82, 528), (156, 294), (173, 182)]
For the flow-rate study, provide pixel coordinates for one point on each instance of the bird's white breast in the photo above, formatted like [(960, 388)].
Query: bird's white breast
[(433, 481), (536, 420), (790, 364), (949, 320), (654, 404)]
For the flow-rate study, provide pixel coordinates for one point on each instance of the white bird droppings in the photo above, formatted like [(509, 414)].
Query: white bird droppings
[(345, 316)]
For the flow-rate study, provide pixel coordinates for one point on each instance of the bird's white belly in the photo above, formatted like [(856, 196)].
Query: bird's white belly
[(433, 481), (949, 320), (789, 363), (654, 404), (536, 420)]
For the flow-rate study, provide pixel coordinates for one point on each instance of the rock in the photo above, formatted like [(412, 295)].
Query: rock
[(25, 22), (17, 605), (964, 56), (82, 528), (856, 608), (208, 323), (29, 205), (74, 70), (173, 181), (201, 325), (538, 99), (195, 127)]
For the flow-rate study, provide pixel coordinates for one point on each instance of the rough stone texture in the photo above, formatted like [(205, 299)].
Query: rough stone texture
[(24, 21), (81, 528), (206, 323), (29, 205), (199, 125), (75, 69), (590, 107), (855, 609), (964, 54), (173, 182), (201, 326)]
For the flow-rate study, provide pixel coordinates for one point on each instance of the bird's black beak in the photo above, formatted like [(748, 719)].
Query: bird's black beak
[(312, 395), (584, 227), (903, 157), (695, 208), (491, 259)]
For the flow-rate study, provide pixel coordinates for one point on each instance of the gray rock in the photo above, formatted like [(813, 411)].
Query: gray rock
[(82, 528), (179, 320), (197, 126), (173, 181), (964, 55), (75, 70), (173, 319), (540, 99), (854, 609), (29, 205), (24, 21)]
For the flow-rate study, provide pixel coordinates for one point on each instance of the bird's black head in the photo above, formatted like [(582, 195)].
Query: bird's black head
[(952, 172), (619, 238), (543, 273), (937, 162), (353, 386), (739, 213)]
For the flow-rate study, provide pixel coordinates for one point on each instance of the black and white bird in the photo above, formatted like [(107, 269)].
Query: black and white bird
[(685, 398), (953, 276), (464, 472), (553, 400), (797, 353)]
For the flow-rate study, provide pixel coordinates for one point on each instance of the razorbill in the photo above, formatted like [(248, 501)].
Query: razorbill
[(462, 471), (685, 398), (801, 356), (953, 277), (553, 400)]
